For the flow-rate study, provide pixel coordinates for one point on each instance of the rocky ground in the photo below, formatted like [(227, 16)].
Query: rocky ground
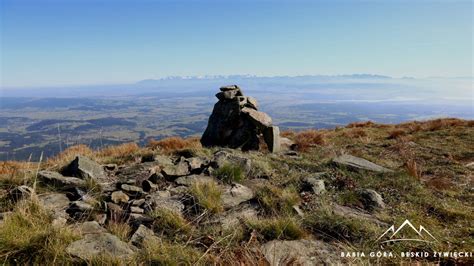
[(175, 202)]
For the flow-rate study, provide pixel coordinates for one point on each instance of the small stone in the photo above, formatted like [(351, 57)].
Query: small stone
[(172, 204), (135, 209), (100, 218), (359, 163), (81, 206), (155, 177), (91, 227), (317, 185), (131, 188), (137, 218), (195, 163), (162, 160), (138, 202), (298, 210), (371, 199), (110, 167), (222, 158), (142, 234), (116, 213), (174, 171), (235, 194), (119, 197)]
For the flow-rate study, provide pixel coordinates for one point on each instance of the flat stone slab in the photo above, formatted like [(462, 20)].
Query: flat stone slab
[(83, 167), (261, 119), (93, 245), (359, 163), (58, 180), (191, 179)]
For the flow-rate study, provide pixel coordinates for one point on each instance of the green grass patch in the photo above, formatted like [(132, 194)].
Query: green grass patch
[(230, 173)]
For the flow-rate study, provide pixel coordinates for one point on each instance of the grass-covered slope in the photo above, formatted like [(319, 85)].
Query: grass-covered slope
[(431, 185)]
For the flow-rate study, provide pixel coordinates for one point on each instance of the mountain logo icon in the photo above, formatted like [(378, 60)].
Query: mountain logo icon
[(424, 235)]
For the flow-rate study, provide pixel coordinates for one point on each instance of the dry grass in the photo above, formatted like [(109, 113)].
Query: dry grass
[(171, 144), (413, 169), (68, 155), (28, 237), (16, 173), (163, 252), (120, 229), (121, 150), (356, 132), (360, 124), (207, 195), (277, 228), (169, 222), (396, 133), (307, 139)]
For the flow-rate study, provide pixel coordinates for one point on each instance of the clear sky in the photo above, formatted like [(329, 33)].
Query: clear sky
[(113, 41)]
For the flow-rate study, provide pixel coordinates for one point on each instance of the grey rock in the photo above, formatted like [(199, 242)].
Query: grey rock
[(271, 135), (91, 227), (260, 119), (359, 163), (83, 167), (119, 197), (173, 204), (252, 102), (371, 199), (222, 158), (54, 201), (317, 185), (93, 245), (58, 180), (138, 202), (143, 234), (233, 217), (178, 191), (162, 160), (300, 252), (286, 144), (135, 209), (81, 206), (131, 189), (116, 213), (191, 179), (230, 88), (174, 171), (235, 194), (196, 163), (137, 218)]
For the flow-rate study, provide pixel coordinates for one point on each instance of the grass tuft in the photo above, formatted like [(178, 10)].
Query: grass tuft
[(169, 222), (230, 173), (207, 195), (284, 228)]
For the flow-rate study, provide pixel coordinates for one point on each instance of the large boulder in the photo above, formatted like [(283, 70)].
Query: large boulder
[(359, 163), (235, 122)]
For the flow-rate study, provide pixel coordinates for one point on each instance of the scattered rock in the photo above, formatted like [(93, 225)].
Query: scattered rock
[(142, 234), (138, 219), (110, 167), (84, 167), (138, 202), (116, 213), (119, 197), (359, 163), (196, 164), (300, 252), (162, 160), (102, 244), (79, 210), (356, 214), (58, 180), (172, 204), (235, 194), (55, 201), (371, 199)]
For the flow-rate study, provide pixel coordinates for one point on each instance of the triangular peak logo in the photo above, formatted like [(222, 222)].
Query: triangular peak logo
[(394, 234)]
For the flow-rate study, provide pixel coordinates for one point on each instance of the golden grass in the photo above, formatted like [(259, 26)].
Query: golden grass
[(171, 144), (277, 228), (207, 195), (360, 124), (396, 133), (169, 222), (68, 155), (121, 150), (121, 229), (307, 139), (355, 132), (413, 169)]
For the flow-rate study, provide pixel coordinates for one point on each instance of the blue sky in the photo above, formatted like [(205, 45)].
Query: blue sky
[(113, 41)]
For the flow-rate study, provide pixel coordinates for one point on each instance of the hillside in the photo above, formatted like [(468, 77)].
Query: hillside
[(327, 198)]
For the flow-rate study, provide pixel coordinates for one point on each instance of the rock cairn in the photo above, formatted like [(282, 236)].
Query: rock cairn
[(236, 122)]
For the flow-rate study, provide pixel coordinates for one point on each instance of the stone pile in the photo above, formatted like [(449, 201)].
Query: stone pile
[(235, 122)]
